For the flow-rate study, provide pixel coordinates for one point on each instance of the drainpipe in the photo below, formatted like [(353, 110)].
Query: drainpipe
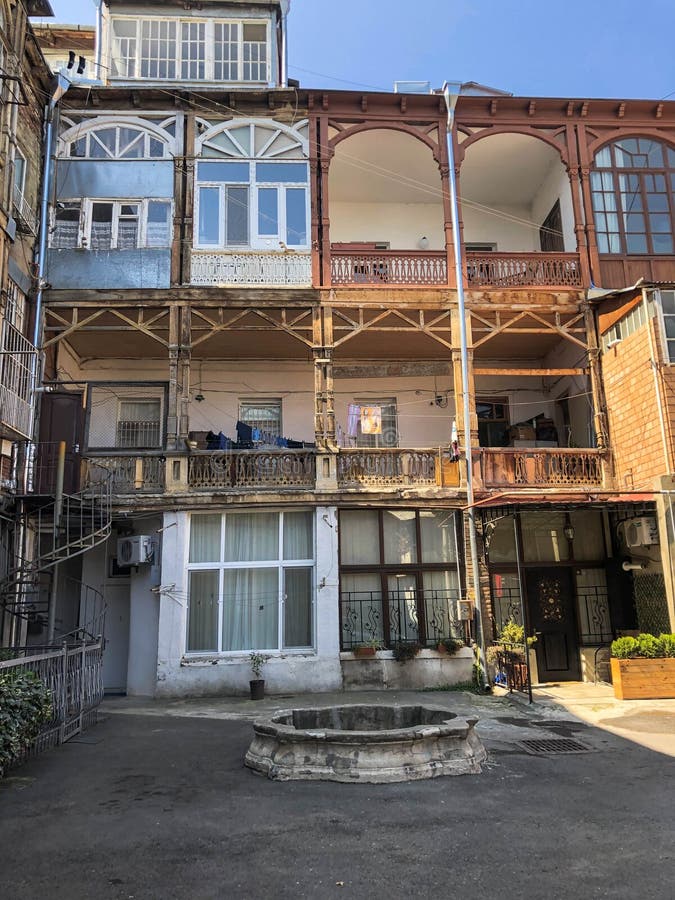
[(99, 34), (451, 91), (285, 7)]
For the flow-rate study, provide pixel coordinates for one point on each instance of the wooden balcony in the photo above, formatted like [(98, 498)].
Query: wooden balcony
[(384, 268), (372, 469), (251, 470), (514, 270), (137, 473), (542, 467)]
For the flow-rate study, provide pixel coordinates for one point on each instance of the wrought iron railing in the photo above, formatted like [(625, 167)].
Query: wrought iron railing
[(404, 616), (25, 212), (253, 267), (73, 672), (18, 369), (389, 467), (510, 667), (244, 469), (129, 474), (386, 267), (492, 269), (541, 466)]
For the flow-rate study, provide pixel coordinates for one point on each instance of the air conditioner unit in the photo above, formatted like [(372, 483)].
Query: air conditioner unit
[(641, 532), (135, 550)]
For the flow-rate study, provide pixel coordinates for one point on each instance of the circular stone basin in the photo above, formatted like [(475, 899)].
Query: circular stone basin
[(365, 743)]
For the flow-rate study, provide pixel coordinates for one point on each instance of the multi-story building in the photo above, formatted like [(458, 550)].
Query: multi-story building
[(24, 83), (253, 324)]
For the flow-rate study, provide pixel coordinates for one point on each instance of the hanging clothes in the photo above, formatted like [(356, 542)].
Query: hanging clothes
[(353, 419), (371, 420)]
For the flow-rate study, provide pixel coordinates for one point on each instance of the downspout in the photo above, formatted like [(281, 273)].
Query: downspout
[(451, 91), (98, 54), (285, 7)]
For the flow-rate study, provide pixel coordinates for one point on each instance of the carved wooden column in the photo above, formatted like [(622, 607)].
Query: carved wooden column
[(314, 169), (174, 350), (188, 199), (185, 359), (585, 170), (573, 172), (326, 154), (597, 394)]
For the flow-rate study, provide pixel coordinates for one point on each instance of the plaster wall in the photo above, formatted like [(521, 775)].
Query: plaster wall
[(401, 224), (214, 674), (505, 226), (428, 669)]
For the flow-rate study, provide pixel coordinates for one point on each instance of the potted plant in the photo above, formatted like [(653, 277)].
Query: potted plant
[(450, 646), (405, 650), (507, 656), (643, 667), (257, 683), (368, 649)]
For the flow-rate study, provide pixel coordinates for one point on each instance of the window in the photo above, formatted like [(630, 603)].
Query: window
[(139, 423), (493, 422), (116, 142), (19, 173), (190, 50), (668, 313), (111, 224), (15, 307), (388, 435), (629, 324), (399, 576), (264, 416), (252, 204), (633, 190), (551, 233), (250, 581)]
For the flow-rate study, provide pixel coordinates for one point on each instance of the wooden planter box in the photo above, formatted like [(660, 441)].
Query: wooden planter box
[(643, 679)]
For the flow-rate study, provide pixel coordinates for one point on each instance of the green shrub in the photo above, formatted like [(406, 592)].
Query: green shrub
[(25, 705), (648, 646), (644, 646), (405, 650), (667, 642), (452, 645), (624, 648)]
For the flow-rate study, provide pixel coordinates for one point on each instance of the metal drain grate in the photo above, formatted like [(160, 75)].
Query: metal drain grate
[(546, 746)]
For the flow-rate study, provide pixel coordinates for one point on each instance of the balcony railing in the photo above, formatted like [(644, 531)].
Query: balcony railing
[(131, 474), (18, 364), (26, 218), (541, 467), (408, 616), (384, 268), (392, 467), (251, 268), (509, 270), (252, 469)]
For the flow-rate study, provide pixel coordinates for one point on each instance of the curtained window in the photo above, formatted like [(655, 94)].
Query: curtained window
[(251, 581)]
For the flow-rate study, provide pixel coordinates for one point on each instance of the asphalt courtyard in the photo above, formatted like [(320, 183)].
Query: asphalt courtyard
[(154, 802)]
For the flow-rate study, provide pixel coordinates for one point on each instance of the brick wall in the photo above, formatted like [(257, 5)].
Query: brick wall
[(633, 413)]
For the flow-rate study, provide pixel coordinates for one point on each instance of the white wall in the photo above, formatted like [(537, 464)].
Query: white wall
[(402, 224), (213, 674), (489, 227)]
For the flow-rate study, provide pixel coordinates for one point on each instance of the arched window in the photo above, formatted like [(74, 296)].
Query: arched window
[(633, 185), (115, 142)]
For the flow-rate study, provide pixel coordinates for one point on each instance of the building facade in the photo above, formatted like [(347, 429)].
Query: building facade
[(253, 324)]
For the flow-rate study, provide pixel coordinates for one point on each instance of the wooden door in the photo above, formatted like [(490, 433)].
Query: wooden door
[(61, 419), (116, 653), (550, 600)]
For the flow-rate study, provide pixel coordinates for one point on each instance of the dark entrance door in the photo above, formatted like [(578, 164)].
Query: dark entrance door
[(550, 601), (61, 419)]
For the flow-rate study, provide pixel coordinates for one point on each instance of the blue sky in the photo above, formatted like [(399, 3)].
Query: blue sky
[(579, 48)]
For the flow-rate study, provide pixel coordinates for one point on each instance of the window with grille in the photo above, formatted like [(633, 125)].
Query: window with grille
[(389, 423), (633, 190), (15, 307), (262, 415), (139, 423), (190, 50)]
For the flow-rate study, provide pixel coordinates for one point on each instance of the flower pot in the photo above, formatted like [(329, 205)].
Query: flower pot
[(257, 686), (362, 652), (643, 679)]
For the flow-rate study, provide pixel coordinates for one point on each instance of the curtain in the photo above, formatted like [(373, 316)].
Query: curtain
[(251, 537), (441, 591), (298, 607), (298, 540), (205, 538), (251, 609), (203, 611), (359, 542), (361, 608), (403, 620), (543, 537), (400, 536), (437, 529)]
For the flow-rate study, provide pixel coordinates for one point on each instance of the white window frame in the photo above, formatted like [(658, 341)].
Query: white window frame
[(135, 60), (20, 185), (143, 137), (663, 316), (280, 564), (256, 241), (371, 441), (86, 213)]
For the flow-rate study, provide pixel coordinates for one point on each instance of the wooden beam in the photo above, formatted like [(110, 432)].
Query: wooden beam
[(543, 373)]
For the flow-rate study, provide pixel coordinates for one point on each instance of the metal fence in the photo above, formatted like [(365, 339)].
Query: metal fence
[(74, 675)]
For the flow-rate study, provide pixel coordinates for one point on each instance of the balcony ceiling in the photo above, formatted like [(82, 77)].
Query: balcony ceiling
[(506, 169), (369, 168)]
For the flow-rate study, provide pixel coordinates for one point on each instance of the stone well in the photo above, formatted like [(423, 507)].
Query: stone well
[(365, 743)]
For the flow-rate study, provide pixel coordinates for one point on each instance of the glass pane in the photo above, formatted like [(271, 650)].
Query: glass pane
[(280, 173), (543, 537), (268, 212), (603, 158), (205, 538), (298, 537), (298, 608), (506, 603), (251, 536), (403, 618), (592, 606), (400, 536), (636, 243), (634, 222), (359, 536), (296, 217), (659, 222), (669, 322), (209, 215), (502, 542), (589, 542), (441, 592), (228, 172), (237, 216), (202, 611), (657, 202), (158, 231), (250, 609), (438, 536), (101, 226), (360, 608), (255, 33), (668, 302), (663, 243)]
